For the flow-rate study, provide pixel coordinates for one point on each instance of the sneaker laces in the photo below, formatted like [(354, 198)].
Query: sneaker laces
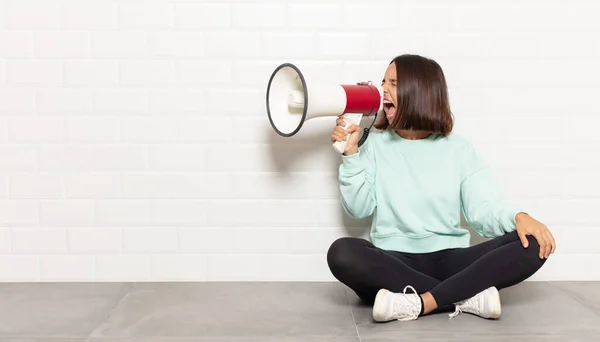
[(460, 305), (457, 312), (408, 305)]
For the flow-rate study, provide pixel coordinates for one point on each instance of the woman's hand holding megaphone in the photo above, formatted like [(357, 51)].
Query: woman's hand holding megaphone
[(340, 134)]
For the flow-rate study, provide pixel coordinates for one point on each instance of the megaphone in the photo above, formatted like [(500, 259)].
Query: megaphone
[(292, 99)]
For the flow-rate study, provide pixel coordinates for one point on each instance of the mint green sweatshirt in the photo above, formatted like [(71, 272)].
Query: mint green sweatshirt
[(416, 190)]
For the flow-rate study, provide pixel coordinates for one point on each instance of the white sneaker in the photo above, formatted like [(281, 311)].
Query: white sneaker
[(485, 304), (391, 306)]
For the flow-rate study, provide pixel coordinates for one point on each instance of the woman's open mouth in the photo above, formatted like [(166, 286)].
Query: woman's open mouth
[(390, 109)]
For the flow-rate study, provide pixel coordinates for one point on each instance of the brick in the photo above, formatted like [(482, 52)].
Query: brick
[(88, 157), (176, 130), (122, 212), (89, 130), (66, 268), (280, 157), (93, 185), (89, 15), (295, 268), (298, 185), (330, 213), (155, 14), (177, 158), (209, 130), (39, 240), (259, 240), (232, 43), (203, 72), (251, 73), (314, 16), (288, 45), (66, 213), (202, 15), (64, 158), (63, 101), (487, 17), (91, 72), (33, 72), (32, 14), (233, 267), (311, 240), (178, 267), (19, 268), (568, 267), (178, 185), (218, 102), (149, 130), (16, 44), (146, 72), (17, 101), (179, 212), (370, 16), (36, 130), (122, 267), (176, 44), (67, 44), (580, 129), (126, 101), (372, 71), (17, 158), (92, 240), (344, 45), (175, 102), (435, 16), (207, 240), (525, 184), (580, 184), (150, 240), (17, 212), (258, 15), (119, 44), (37, 186), (528, 130), (568, 239), (264, 213)]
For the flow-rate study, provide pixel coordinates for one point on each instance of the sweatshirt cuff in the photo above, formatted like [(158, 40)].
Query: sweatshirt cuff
[(512, 218), (353, 163)]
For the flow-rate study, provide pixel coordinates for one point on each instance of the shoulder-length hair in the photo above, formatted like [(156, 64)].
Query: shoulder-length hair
[(422, 95)]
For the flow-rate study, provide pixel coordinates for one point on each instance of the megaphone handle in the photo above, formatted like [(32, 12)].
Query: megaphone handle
[(349, 119)]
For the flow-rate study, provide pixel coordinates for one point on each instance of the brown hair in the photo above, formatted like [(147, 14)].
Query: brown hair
[(422, 95)]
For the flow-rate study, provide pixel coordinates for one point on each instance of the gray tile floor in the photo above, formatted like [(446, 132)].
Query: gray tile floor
[(288, 312)]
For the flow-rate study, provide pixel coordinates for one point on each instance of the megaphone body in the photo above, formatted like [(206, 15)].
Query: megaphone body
[(292, 99)]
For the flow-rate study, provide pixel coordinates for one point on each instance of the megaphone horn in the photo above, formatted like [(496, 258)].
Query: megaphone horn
[(290, 101)]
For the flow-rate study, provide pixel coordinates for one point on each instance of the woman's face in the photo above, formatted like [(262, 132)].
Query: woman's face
[(390, 100)]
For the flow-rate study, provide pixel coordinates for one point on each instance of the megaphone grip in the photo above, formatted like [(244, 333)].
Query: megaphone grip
[(349, 119)]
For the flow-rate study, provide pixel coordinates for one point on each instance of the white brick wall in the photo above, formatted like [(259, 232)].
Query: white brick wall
[(113, 114)]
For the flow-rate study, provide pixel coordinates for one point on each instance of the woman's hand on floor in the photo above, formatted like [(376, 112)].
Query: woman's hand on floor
[(527, 225)]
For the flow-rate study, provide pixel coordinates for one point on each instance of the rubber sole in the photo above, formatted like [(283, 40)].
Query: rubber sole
[(377, 304), (497, 308)]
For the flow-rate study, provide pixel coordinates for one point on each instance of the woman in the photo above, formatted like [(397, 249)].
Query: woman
[(415, 177)]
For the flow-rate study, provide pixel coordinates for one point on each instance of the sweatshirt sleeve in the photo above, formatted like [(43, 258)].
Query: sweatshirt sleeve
[(357, 183), (481, 199)]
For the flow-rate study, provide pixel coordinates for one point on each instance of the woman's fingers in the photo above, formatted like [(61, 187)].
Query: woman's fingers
[(542, 242)]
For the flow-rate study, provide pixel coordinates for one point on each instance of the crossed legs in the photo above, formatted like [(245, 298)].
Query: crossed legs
[(442, 278)]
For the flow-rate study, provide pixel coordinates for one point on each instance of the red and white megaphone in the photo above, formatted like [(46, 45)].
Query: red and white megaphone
[(292, 99)]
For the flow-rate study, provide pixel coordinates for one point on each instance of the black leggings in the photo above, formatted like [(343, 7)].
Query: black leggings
[(450, 275)]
